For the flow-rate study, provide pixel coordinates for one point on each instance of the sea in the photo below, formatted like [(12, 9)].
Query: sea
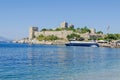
[(58, 62)]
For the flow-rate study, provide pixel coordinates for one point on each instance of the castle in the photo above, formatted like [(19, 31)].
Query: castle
[(33, 32)]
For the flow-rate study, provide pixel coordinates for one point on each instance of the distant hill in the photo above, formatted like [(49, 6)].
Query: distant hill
[(2, 39)]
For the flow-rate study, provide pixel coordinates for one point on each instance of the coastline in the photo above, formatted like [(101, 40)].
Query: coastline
[(58, 61), (63, 42)]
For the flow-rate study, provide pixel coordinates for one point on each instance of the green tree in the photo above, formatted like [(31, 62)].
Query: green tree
[(47, 38), (100, 38), (41, 37), (44, 29), (50, 29), (118, 36), (85, 29), (82, 30), (58, 29), (51, 38), (73, 36), (99, 32), (111, 37)]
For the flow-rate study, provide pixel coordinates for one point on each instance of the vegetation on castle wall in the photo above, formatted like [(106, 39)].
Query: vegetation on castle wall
[(78, 30), (100, 38), (44, 29), (99, 32), (58, 29), (67, 29), (73, 36), (82, 30), (47, 38), (51, 38)]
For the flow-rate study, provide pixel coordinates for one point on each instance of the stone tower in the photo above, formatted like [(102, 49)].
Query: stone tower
[(92, 31), (31, 32), (64, 25)]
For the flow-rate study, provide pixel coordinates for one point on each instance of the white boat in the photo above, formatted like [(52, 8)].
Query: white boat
[(82, 43)]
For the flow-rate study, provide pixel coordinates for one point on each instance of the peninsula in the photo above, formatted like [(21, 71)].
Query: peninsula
[(65, 32)]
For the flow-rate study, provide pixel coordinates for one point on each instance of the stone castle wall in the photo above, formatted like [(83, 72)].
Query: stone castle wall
[(60, 34), (33, 33)]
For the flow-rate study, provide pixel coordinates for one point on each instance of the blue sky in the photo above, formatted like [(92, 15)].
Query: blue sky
[(16, 16)]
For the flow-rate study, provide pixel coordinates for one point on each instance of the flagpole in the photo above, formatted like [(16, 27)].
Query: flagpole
[(108, 29)]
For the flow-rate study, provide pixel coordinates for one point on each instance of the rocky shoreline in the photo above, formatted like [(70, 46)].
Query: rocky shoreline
[(113, 44)]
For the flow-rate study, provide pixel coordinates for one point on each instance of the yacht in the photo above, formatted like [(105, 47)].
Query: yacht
[(82, 43)]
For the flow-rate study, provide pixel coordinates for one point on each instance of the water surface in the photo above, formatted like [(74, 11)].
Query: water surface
[(50, 62)]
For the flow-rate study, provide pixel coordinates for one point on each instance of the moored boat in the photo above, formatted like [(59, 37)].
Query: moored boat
[(82, 43)]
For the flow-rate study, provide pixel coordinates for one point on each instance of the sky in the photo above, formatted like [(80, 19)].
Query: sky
[(17, 16)]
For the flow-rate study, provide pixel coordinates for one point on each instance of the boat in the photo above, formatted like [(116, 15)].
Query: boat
[(82, 44)]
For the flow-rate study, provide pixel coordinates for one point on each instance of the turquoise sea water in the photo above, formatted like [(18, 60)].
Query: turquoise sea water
[(50, 62)]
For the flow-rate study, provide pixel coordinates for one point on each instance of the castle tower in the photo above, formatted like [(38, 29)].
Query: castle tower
[(31, 32), (92, 31), (64, 25)]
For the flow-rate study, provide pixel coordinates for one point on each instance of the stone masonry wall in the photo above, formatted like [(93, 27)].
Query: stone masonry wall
[(60, 34)]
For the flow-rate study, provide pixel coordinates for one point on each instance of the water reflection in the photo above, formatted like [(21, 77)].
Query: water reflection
[(69, 63), (59, 63), (70, 58)]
